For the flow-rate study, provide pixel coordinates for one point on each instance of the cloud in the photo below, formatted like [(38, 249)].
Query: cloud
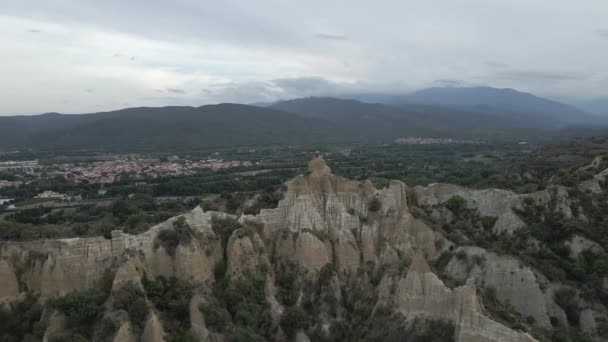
[(448, 83), (305, 85), (495, 64), (176, 91), (258, 50), (602, 32), (526, 75), (329, 36)]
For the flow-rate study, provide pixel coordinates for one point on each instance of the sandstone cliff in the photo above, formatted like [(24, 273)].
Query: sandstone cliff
[(323, 221)]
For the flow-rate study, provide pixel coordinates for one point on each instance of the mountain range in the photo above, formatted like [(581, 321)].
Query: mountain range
[(465, 113)]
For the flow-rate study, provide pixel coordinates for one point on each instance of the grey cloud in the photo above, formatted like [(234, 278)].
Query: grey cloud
[(33, 31), (280, 89), (176, 91), (495, 64), (329, 36), (258, 47), (602, 32), (305, 85), (524, 75), (448, 83)]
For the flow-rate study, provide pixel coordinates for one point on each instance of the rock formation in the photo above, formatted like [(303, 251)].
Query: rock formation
[(322, 220)]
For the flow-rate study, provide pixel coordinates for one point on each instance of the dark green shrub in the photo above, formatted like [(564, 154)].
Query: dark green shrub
[(293, 320), (374, 205), (171, 297), (217, 318), (82, 309), (456, 204), (22, 321), (566, 299), (170, 238), (133, 300)]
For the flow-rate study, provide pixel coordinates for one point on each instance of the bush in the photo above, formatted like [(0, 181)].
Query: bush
[(566, 299), (223, 227), (245, 300), (374, 205), (286, 280), (132, 299), (170, 238), (82, 309), (171, 297), (22, 321), (456, 204), (217, 318), (293, 320)]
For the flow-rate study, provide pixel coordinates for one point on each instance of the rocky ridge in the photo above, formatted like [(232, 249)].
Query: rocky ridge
[(323, 222)]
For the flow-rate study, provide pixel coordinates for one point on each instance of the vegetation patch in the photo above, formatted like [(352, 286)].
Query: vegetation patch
[(179, 234), (82, 309), (171, 297), (21, 321), (132, 299)]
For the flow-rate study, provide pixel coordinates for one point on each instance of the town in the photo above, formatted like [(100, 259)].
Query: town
[(433, 141)]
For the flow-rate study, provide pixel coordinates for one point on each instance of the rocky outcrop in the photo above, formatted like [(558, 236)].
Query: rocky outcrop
[(513, 281), (422, 293), (126, 273), (125, 333), (55, 327), (153, 330), (322, 219), (9, 287), (578, 244), (490, 202)]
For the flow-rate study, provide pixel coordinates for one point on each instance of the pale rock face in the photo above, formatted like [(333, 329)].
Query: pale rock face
[(153, 330), (347, 253), (512, 281), (592, 185), (55, 326), (489, 202), (9, 288), (579, 244), (125, 334), (495, 202), (197, 321), (160, 263), (305, 249), (245, 254), (196, 263), (587, 322), (422, 293), (301, 337), (126, 273)]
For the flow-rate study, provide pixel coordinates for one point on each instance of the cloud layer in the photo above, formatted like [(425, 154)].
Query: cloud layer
[(82, 56)]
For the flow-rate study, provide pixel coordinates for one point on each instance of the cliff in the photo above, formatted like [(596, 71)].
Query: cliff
[(323, 222)]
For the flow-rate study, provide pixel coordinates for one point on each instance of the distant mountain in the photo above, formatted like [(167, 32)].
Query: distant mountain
[(300, 121), (377, 121), (598, 107), (164, 128), (492, 101)]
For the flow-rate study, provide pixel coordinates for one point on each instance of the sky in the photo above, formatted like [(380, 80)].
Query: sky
[(79, 56)]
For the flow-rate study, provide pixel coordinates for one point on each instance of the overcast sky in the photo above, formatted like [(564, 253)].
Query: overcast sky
[(91, 55)]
